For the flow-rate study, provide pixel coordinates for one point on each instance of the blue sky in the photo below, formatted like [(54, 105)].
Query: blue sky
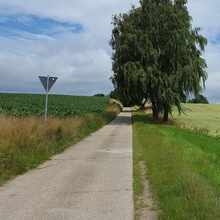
[(69, 39), (14, 25), (215, 40)]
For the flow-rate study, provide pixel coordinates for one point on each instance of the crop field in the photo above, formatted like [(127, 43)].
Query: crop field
[(58, 105), (201, 117)]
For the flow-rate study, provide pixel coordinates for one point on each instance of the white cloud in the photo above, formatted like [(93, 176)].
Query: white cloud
[(81, 61), (81, 68), (212, 57), (206, 14)]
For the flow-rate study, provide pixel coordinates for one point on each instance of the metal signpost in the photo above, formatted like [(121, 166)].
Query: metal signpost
[(47, 83)]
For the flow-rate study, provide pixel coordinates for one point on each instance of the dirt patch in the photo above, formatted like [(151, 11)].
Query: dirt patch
[(146, 206)]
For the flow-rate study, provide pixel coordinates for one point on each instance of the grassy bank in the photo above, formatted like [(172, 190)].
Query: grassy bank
[(183, 168), (25, 142)]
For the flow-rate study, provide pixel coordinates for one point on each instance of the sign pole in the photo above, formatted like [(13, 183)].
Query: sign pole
[(46, 105)]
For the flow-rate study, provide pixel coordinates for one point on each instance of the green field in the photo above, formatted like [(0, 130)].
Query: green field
[(58, 105), (201, 117)]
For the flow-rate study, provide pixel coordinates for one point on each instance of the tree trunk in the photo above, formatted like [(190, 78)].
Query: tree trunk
[(155, 111), (143, 104), (165, 116), (154, 106)]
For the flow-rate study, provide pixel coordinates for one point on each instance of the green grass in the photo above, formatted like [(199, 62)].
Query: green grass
[(183, 169), (58, 105), (202, 117)]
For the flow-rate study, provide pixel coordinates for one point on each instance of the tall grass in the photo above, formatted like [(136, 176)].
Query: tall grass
[(26, 142), (183, 169)]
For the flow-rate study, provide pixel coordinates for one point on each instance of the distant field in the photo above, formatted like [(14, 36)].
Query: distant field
[(204, 117), (58, 105)]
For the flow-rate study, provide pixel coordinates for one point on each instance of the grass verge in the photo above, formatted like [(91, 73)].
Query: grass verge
[(183, 169), (25, 142)]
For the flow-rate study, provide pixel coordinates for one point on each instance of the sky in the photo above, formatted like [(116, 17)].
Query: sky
[(69, 39)]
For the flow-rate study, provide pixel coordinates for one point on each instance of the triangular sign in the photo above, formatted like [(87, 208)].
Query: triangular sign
[(52, 80), (47, 82), (43, 80)]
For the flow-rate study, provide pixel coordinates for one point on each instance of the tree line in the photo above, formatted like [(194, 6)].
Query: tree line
[(157, 56)]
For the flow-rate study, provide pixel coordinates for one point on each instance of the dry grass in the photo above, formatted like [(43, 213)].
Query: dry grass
[(15, 131), (200, 117), (26, 142)]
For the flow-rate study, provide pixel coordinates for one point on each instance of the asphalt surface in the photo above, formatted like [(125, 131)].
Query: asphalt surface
[(90, 180)]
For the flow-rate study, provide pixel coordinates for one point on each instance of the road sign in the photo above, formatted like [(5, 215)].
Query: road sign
[(47, 82)]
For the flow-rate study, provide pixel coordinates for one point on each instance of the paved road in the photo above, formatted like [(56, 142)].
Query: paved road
[(91, 180)]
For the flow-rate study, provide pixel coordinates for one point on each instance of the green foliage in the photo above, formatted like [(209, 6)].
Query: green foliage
[(157, 55), (183, 169), (199, 99), (58, 105), (114, 94), (100, 94)]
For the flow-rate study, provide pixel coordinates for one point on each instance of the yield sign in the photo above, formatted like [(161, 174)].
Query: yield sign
[(47, 82)]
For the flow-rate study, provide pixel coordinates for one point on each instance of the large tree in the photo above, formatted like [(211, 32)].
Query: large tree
[(199, 99), (157, 55)]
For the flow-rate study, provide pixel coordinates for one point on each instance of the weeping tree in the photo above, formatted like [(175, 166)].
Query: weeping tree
[(157, 55), (127, 66)]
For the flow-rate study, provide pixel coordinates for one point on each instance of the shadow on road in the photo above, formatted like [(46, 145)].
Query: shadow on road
[(121, 120)]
